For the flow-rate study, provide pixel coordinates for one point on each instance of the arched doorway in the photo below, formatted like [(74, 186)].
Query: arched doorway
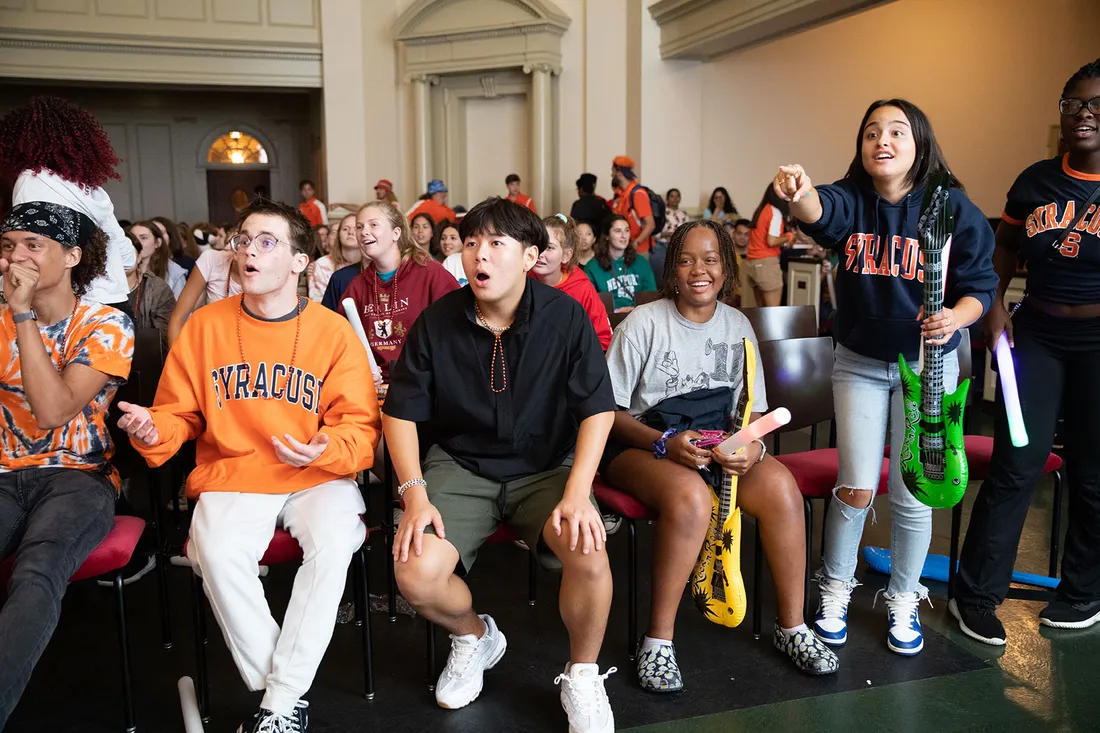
[(238, 168)]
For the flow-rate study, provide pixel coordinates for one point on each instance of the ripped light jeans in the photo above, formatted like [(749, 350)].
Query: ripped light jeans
[(867, 399)]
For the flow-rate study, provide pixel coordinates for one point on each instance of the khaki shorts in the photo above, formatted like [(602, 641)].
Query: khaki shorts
[(473, 507), (765, 274)]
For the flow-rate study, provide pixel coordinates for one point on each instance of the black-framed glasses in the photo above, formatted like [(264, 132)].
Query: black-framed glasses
[(1072, 106), (264, 243)]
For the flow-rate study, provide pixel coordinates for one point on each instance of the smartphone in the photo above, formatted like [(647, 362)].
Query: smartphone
[(710, 438)]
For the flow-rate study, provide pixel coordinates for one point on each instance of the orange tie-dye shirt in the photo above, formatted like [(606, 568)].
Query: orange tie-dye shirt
[(103, 339)]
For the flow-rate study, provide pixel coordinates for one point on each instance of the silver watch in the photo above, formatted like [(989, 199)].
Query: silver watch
[(28, 316), (763, 449)]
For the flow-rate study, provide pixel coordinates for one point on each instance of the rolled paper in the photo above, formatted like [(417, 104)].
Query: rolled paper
[(755, 430), (1016, 429), (357, 326)]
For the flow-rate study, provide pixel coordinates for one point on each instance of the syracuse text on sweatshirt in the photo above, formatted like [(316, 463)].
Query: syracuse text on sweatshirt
[(880, 280), (234, 406)]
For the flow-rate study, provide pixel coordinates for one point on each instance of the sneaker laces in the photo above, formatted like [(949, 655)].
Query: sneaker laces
[(902, 604), (585, 691), (275, 723), (835, 597), (462, 653)]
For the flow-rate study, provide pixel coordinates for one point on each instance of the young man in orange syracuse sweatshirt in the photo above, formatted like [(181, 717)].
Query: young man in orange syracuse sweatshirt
[(277, 391)]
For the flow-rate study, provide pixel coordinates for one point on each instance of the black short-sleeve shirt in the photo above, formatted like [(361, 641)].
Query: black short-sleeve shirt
[(1044, 200), (556, 377)]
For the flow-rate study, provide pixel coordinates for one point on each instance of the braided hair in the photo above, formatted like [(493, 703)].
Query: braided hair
[(1088, 71), (50, 133), (731, 275)]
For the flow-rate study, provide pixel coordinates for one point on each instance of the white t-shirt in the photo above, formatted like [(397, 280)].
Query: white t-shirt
[(453, 265), (94, 203), (656, 353), (322, 273), (214, 266), (177, 278)]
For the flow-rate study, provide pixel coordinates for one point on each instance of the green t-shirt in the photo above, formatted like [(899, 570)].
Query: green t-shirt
[(621, 281)]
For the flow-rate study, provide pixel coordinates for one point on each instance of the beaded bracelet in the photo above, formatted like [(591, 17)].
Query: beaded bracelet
[(409, 484)]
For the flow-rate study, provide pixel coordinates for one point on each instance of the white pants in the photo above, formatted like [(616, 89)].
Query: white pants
[(230, 533)]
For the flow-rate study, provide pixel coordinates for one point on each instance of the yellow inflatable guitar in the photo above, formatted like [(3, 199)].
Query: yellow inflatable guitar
[(716, 583)]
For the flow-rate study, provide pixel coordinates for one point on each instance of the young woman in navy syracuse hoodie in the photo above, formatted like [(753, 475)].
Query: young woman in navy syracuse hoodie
[(870, 218)]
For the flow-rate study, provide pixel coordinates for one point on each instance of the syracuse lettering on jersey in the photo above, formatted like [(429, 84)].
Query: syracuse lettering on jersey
[(865, 255), (277, 382), (1046, 217)]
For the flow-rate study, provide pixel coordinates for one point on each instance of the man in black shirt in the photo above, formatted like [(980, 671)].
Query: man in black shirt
[(507, 384), (590, 208)]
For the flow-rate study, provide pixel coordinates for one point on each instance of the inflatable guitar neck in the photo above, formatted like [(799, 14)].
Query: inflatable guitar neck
[(716, 583), (933, 457)]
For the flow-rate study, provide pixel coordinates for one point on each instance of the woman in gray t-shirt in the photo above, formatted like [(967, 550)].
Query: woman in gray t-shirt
[(686, 342)]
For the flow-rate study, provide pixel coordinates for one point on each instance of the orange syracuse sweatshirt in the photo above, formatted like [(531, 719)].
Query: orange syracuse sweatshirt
[(234, 406)]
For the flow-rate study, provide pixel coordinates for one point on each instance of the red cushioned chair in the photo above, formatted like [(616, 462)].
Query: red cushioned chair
[(284, 549), (979, 454), (109, 559)]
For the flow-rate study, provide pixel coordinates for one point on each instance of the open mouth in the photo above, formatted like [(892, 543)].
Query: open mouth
[(884, 156), (250, 269), (700, 285), (1084, 130), (482, 278)]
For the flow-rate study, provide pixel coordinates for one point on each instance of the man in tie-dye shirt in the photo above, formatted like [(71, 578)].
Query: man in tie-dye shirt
[(61, 361)]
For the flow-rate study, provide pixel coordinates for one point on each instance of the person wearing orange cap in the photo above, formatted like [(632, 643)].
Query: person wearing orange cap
[(632, 202), (383, 191)]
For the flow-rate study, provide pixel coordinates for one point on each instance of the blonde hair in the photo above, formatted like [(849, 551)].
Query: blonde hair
[(566, 229), (405, 244), (337, 253)]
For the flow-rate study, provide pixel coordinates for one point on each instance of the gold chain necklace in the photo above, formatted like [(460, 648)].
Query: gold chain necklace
[(293, 356)]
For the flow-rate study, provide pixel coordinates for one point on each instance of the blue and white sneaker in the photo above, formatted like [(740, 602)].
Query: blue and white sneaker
[(831, 620), (904, 636)]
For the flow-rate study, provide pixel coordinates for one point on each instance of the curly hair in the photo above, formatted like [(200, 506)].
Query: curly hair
[(93, 263), (50, 133), (730, 272), (1088, 71)]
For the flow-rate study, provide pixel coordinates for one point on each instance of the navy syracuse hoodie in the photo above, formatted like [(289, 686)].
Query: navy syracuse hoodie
[(880, 278)]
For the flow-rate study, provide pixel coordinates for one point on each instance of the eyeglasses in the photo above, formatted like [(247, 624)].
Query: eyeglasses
[(1073, 106), (264, 243)]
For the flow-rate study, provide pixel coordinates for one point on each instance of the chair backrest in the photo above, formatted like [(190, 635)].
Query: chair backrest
[(780, 322), (798, 375), (647, 296), (616, 319), (608, 301), (140, 388)]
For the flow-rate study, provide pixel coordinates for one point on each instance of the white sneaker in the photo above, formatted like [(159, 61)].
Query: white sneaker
[(584, 698), (831, 619), (462, 678), (905, 636)]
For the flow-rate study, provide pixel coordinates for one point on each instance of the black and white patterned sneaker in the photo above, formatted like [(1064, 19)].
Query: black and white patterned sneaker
[(657, 669), (808, 653)]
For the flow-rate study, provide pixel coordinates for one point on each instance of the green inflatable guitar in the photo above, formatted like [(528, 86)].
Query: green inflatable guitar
[(933, 457)]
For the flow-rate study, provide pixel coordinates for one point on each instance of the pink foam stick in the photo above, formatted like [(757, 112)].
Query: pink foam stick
[(760, 427)]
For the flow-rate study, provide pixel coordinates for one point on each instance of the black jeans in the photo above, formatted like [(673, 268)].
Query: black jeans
[(1057, 365), (50, 519)]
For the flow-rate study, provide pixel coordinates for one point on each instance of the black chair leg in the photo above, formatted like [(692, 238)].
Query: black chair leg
[(124, 656), (431, 654), (757, 571), (199, 614), (809, 509), (161, 557), (632, 587), (391, 578), (1055, 525), (953, 559), (362, 601), (357, 590), (532, 577)]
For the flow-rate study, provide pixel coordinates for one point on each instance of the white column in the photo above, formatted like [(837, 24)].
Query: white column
[(422, 125), (541, 125)]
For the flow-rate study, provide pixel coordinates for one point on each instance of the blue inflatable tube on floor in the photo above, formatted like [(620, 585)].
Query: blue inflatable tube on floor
[(936, 566)]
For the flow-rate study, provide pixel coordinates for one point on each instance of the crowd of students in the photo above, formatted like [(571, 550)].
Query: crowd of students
[(498, 402)]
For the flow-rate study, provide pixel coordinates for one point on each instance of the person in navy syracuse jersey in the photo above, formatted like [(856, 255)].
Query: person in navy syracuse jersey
[(870, 218), (1056, 349)]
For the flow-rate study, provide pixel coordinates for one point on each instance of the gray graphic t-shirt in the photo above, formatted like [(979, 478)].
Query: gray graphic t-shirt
[(656, 353)]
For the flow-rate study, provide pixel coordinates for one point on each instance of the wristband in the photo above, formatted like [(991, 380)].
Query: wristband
[(409, 484), (659, 444), (763, 449)]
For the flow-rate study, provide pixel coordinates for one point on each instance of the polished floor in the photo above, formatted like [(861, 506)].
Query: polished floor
[(1043, 680)]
